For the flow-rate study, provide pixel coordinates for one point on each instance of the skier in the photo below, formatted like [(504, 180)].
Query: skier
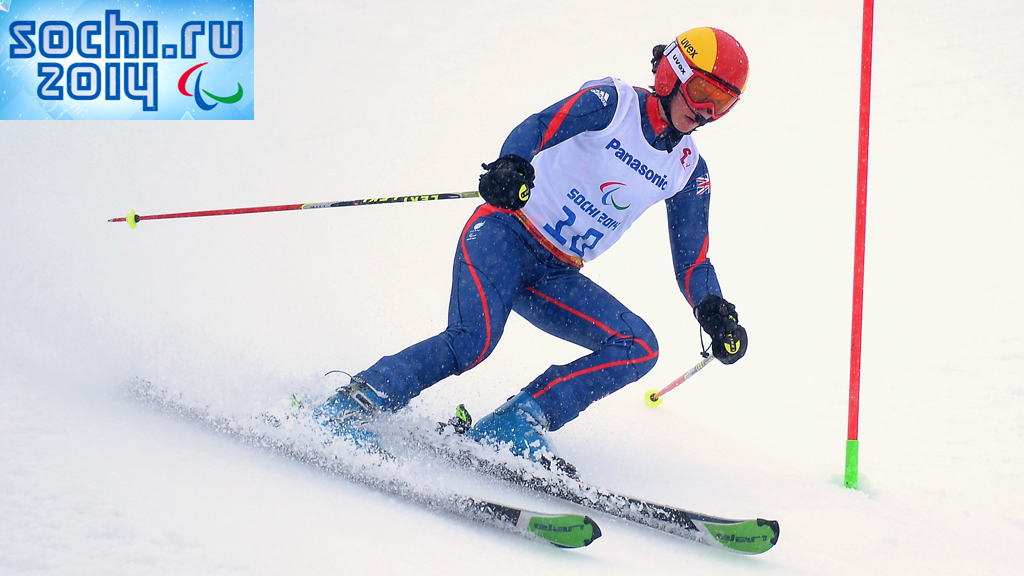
[(569, 182)]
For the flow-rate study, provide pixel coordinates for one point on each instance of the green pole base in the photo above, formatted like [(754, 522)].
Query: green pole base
[(852, 456)]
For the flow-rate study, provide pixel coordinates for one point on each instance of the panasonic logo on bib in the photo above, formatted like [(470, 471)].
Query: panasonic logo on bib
[(634, 163)]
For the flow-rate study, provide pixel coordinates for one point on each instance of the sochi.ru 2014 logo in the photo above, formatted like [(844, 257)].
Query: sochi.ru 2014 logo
[(182, 87), (121, 60)]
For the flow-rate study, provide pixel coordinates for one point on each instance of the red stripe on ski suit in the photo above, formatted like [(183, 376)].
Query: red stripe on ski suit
[(482, 211), (700, 258), (651, 354), (556, 122)]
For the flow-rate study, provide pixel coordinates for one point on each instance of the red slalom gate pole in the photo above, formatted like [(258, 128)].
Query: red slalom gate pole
[(851, 476), (133, 219)]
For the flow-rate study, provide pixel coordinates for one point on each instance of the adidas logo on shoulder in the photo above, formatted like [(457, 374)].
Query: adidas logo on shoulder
[(601, 94)]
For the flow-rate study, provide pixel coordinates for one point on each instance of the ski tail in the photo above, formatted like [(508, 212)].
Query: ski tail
[(561, 530), (743, 536), (564, 531)]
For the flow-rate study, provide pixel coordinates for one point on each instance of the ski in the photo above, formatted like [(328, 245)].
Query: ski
[(561, 530), (558, 479)]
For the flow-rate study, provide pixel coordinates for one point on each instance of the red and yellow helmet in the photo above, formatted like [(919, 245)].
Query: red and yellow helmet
[(708, 66)]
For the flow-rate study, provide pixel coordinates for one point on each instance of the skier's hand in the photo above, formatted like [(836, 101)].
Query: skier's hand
[(507, 182), (719, 319)]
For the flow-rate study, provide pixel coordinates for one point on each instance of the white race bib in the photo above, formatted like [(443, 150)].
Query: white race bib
[(592, 187)]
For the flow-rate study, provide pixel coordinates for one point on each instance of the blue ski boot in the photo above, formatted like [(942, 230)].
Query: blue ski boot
[(348, 412), (518, 423)]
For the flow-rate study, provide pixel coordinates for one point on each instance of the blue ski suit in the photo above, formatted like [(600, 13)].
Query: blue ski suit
[(502, 264)]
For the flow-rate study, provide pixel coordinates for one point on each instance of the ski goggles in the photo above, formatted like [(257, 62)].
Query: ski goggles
[(705, 93), (701, 90)]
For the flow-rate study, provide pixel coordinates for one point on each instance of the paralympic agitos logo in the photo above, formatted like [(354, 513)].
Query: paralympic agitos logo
[(183, 82), (111, 57), (609, 188)]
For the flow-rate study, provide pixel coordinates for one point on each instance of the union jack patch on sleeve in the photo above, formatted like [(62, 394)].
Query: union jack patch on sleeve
[(703, 184)]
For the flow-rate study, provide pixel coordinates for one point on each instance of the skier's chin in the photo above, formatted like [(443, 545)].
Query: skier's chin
[(687, 124), (693, 128)]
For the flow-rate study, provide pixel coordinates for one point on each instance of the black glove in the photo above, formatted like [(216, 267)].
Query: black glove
[(507, 182), (719, 319)]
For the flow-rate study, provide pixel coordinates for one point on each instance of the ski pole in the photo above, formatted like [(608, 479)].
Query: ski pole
[(133, 219), (653, 396)]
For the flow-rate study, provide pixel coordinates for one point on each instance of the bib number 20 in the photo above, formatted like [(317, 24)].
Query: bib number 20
[(578, 243)]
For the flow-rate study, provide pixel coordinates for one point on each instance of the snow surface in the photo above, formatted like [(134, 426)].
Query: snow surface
[(363, 99)]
